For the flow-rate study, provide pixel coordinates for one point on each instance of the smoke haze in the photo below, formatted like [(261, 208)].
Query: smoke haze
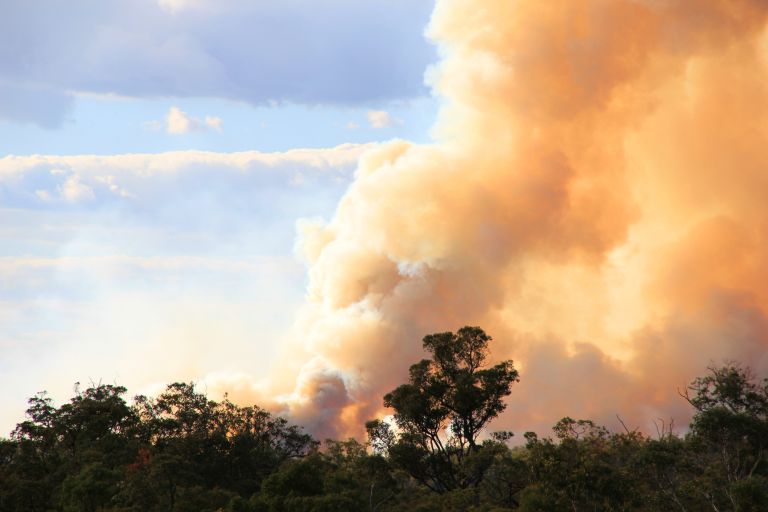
[(595, 199)]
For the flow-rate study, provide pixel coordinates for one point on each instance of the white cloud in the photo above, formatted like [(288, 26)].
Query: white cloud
[(381, 119), (147, 164), (161, 252), (43, 195), (31, 180), (74, 190), (111, 183), (213, 123), (174, 6), (178, 122)]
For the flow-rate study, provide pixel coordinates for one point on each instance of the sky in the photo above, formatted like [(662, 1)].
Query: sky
[(155, 158), (278, 200)]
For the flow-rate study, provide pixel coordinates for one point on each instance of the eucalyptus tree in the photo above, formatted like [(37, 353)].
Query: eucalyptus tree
[(443, 410)]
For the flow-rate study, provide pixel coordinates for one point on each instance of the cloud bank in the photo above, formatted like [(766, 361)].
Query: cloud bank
[(595, 200), (341, 52), (148, 268)]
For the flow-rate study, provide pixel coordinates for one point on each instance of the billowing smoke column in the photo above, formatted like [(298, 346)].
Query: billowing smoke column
[(596, 199)]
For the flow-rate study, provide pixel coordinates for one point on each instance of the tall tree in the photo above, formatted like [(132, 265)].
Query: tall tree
[(729, 432), (443, 409)]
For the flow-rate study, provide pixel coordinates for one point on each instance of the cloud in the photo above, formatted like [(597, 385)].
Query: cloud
[(43, 195), (254, 52), (178, 122), (380, 119), (31, 103), (594, 199), (74, 190), (213, 123), (174, 6), (136, 177), (140, 268)]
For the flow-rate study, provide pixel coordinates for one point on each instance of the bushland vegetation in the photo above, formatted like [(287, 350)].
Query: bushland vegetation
[(183, 452)]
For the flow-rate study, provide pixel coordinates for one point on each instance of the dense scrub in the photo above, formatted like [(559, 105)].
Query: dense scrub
[(182, 452)]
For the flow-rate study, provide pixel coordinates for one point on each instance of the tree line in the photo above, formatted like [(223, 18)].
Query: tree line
[(183, 452)]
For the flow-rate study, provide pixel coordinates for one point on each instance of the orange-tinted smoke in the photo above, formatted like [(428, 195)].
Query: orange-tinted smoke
[(596, 199)]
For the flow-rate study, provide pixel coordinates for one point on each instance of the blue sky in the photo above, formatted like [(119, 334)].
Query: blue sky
[(147, 268), (165, 165), (106, 125), (99, 76), (152, 176)]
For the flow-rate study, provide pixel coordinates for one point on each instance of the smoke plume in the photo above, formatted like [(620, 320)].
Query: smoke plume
[(595, 199)]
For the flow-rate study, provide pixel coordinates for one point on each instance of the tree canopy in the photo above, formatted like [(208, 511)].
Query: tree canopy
[(184, 452), (442, 410)]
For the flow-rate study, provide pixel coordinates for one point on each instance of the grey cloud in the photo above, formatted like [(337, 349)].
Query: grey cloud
[(340, 52), (30, 104)]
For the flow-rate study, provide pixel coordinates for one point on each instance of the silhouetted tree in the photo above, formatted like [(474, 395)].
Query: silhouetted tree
[(182, 452), (729, 435), (442, 410)]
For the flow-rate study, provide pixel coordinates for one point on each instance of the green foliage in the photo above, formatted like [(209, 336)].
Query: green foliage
[(90, 489), (179, 452), (442, 410), (182, 452), (729, 437), (586, 467), (750, 494)]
